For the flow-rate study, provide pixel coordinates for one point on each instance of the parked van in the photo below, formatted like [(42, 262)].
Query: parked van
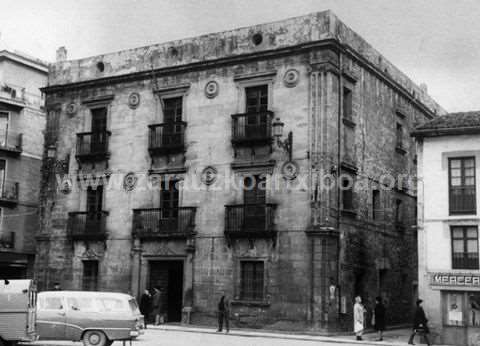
[(17, 311), (96, 318)]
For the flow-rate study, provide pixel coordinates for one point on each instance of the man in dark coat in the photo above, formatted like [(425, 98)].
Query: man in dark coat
[(379, 314), (420, 324), (146, 306), (223, 313)]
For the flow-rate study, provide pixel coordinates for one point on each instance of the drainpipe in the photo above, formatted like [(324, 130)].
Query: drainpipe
[(339, 158)]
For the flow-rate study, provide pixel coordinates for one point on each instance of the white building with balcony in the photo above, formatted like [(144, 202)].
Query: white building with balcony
[(448, 226)]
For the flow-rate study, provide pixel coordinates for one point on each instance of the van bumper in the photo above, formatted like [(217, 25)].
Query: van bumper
[(135, 333)]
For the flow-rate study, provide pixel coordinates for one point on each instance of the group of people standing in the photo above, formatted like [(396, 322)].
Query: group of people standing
[(152, 306), (420, 320)]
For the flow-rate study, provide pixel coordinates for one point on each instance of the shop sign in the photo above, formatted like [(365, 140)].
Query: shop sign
[(455, 280)]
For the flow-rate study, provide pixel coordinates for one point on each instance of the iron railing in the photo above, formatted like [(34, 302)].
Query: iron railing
[(249, 218), (10, 141), (9, 191), (167, 137), (87, 225), (161, 222), (92, 145), (252, 127), (465, 260), (462, 200)]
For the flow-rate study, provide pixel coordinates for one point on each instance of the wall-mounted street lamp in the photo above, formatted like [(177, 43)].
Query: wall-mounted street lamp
[(278, 133)]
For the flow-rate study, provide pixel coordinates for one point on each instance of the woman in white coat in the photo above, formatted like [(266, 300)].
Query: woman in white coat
[(358, 317)]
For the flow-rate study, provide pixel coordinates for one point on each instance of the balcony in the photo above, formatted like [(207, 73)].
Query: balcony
[(9, 194), (93, 146), (10, 142), (84, 225), (465, 260), (252, 128), (167, 138), (12, 96), (250, 221), (164, 222)]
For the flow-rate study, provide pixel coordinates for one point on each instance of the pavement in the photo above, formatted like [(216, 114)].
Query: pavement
[(180, 335)]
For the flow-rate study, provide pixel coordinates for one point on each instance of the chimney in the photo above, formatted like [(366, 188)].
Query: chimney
[(61, 54)]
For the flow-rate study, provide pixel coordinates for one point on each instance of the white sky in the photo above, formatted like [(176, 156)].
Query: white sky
[(432, 41)]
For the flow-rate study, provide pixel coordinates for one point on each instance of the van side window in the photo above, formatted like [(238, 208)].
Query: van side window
[(81, 304), (52, 303), (111, 304)]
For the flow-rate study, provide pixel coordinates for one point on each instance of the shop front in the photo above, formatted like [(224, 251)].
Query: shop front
[(460, 307)]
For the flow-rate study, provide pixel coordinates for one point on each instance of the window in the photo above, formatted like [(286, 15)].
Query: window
[(172, 117), (400, 136), (453, 308), (256, 99), (51, 303), (252, 280), (464, 247), (90, 275), (348, 143), (347, 194), (462, 185), (254, 198), (3, 166), (376, 207), (169, 199), (398, 211), (347, 103), (99, 130)]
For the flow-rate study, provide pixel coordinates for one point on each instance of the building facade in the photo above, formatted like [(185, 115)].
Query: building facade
[(449, 267), (22, 120), (252, 161)]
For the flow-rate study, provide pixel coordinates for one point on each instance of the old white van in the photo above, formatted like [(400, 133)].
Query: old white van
[(96, 318)]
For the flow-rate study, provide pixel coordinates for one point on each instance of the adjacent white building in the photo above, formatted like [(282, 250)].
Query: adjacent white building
[(448, 226)]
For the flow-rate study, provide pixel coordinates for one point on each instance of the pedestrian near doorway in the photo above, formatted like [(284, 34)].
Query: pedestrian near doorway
[(157, 305), (358, 317), (379, 319), (223, 313), (420, 324), (146, 306)]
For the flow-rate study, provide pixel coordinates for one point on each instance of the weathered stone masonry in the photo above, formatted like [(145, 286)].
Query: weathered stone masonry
[(318, 254)]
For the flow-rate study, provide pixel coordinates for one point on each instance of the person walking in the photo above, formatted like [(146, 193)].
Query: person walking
[(379, 318), (420, 324), (223, 313), (146, 306), (358, 317), (156, 303)]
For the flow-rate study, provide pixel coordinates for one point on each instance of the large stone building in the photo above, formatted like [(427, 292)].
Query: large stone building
[(22, 119), (448, 202), (295, 105)]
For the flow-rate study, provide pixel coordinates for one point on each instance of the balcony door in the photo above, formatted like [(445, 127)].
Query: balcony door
[(256, 108), (99, 129), (254, 198), (94, 208), (3, 174), (3, 128), (169, 199), (172, 116)]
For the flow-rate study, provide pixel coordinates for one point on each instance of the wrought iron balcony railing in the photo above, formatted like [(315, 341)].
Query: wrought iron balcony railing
[(164, 222), (256, 220), (166, 138), (9, 193), (465, 260), (252, 128), (93, 145), (10, 141), (86, 225)]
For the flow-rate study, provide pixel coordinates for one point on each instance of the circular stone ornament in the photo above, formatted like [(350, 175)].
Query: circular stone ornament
[(134, 100), (209, 175), (71, 108), (290, 170), (211, 89), (291, 78), (130, 182)]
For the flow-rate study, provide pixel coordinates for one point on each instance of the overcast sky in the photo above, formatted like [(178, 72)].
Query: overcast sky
[(434, 41)]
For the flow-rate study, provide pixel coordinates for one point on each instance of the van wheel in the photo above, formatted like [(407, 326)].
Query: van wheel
[(94, 338)]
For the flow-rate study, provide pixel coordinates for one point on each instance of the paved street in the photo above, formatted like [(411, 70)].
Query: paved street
[(181, 336)]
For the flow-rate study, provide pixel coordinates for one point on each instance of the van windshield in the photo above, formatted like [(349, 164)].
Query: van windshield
[(134, 306)]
